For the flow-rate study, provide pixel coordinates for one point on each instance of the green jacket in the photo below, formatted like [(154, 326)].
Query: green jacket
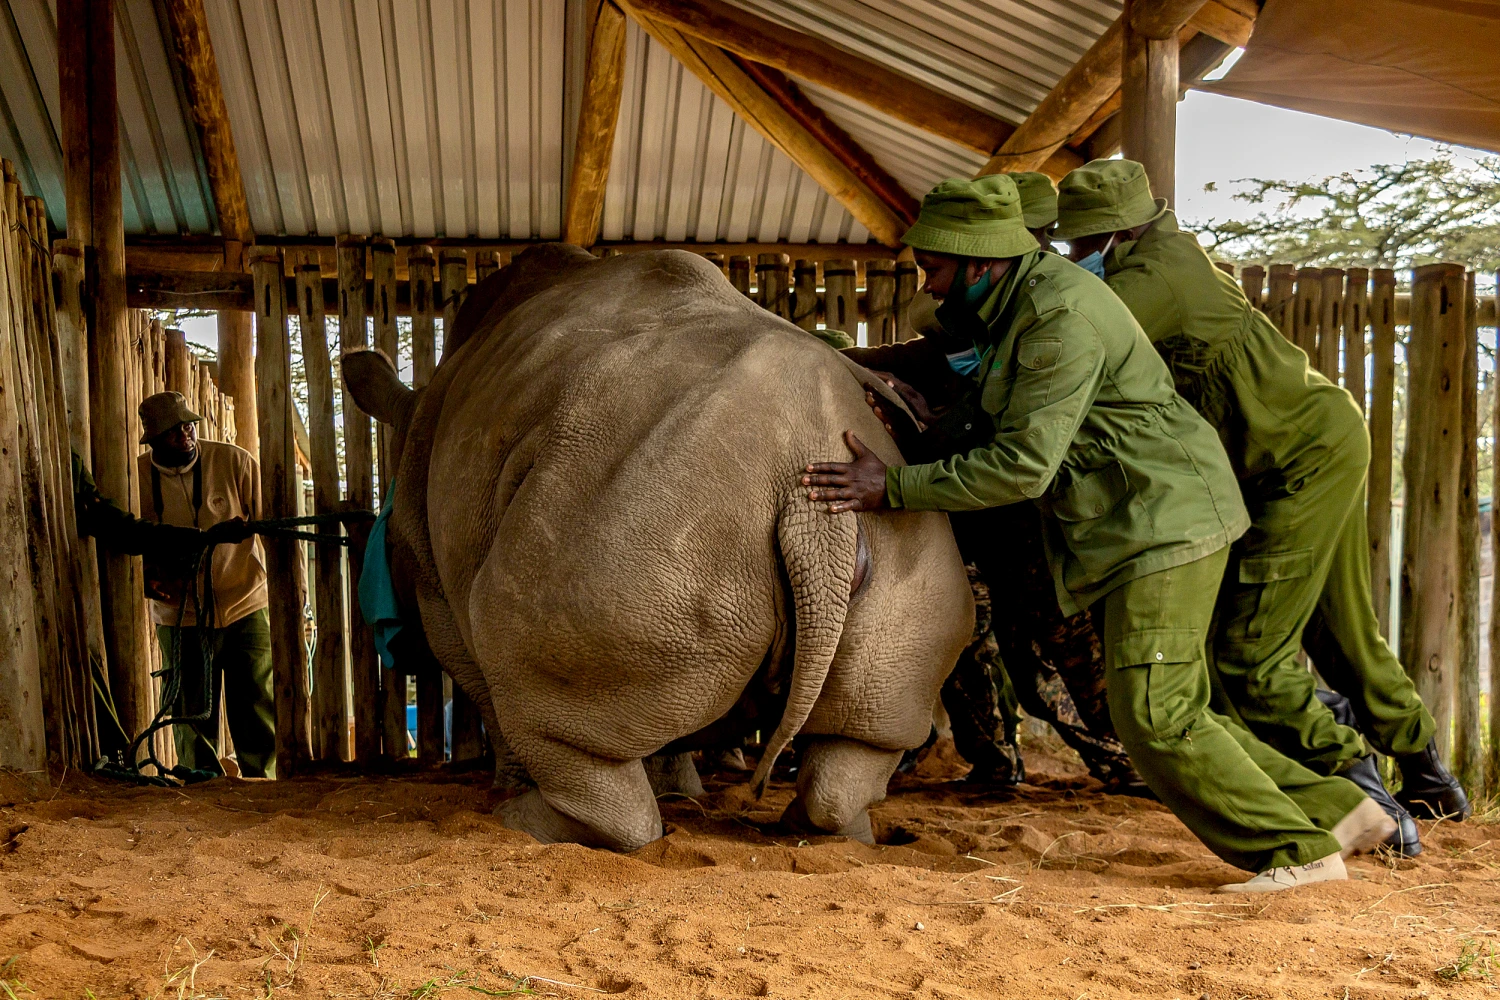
[(1275, 414), (1086, 423), (116, 528)]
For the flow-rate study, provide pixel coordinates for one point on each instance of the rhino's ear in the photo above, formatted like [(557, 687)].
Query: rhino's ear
[(371, 379)]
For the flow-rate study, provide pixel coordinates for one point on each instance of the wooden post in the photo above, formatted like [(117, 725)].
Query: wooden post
[(1492, 769), (455, 278), (486, 263), (739, 273), (177, 364), (1281, 298), (1308, 311), (1468, 741), (841, 297), (273, 380), (1433, 460), (805, 294), (237, 361), (1382, 438), (716, 259), (1148, 103), (1330, 323), (906, 291), (359, 486), (1356, 318), (330, 669), (429, 712), (91, 152), (1253, 282), (773, 280), (880, 296), (419, 268), (383, 312)]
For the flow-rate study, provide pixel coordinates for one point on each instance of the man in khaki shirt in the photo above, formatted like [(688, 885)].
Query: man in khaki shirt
[(200, 484)]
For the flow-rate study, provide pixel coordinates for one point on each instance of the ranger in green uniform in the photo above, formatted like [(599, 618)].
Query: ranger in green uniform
[(1141, 505), (1301, 453)]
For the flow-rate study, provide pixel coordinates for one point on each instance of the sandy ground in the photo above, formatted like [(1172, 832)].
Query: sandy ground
[(387, 887)]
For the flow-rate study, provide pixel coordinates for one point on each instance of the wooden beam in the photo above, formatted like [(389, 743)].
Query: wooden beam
[(1230, 26), (849, 152), (1091, 82), (725, 77), (194, 48), (604, 83), (1148, 90)]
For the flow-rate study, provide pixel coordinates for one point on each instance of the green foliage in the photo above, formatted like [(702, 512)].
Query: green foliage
[(1389, 215)]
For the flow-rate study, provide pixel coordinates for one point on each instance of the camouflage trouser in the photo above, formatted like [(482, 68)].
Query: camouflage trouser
[(980, 701), (1051, 664)]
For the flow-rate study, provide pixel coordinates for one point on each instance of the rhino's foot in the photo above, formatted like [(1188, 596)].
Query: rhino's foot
[(795, 820), (673, 774), (530, 814), (837, 782)]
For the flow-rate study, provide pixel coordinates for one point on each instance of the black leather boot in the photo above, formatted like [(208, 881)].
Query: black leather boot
[(1406, 841), (1428, 789)]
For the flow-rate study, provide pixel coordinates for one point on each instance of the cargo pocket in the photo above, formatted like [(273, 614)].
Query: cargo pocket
[(1092, 496), (1176, 691), (1271, 579)]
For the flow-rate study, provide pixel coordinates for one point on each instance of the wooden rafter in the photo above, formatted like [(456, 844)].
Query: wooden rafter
[(722, 74), (1074, 108), (205, 91), (598, 114)]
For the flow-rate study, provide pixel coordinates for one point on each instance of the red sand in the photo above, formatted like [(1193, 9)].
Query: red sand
[(387, 887)]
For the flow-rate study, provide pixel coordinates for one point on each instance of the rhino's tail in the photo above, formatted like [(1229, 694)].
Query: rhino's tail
[(819, 551)]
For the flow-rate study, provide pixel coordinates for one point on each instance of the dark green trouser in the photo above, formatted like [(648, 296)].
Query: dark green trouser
[(242, 657), (1307, 555), (1250, 805)]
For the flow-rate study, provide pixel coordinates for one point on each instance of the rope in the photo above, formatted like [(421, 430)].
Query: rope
[(204, 615)]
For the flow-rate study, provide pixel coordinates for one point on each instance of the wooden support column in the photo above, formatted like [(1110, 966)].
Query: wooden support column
[(1148, 96), (330, 685), (1433, 462), (1468, 741), (278, 459), (486, 263), (177, 364), (1330, 323), (1382, 438), (383, 312), (739, 273), (419, 268), (1281, 296), (841, 297), (598, 113), (359, 486), (91, 151), (880, 302), (1356, 318), (455, 284), (1253, 284), (1492, 755), (805, 294), (1308, 310)]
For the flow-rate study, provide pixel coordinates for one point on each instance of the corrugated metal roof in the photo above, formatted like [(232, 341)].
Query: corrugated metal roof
[(1002, 56), (434, 118), (685, 167), (165, 189)]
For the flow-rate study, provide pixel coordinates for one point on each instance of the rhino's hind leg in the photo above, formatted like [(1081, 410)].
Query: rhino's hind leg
[(673, 774), (583, 799), (837, 781)]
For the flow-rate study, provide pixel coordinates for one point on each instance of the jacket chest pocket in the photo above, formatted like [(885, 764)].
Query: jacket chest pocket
[(1266, 601)]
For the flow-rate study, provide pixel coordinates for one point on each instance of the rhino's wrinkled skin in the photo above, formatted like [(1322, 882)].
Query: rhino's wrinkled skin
[(599, 517)]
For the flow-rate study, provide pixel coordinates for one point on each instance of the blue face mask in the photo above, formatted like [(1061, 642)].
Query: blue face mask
[(1094, 263), (964, 362), (975, 293)]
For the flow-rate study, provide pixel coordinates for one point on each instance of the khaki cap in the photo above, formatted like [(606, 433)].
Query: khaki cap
[(972, 218), (1105, 196), (163, 411), (1038, 198)]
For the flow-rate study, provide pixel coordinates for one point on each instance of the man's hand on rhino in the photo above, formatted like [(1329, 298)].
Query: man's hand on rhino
[(856, 485), (914, 400)]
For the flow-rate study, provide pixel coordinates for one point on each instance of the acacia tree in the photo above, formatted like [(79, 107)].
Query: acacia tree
[(1390, 215)]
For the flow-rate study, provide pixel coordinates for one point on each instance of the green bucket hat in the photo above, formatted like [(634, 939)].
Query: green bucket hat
[(979, 218), (1105, 196), (1038, 198)]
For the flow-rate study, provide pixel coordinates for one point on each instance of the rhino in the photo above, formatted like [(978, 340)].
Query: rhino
[(599, 525)]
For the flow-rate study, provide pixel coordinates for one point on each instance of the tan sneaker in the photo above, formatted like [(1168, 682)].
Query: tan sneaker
[(1329, 869), (1365, 828)]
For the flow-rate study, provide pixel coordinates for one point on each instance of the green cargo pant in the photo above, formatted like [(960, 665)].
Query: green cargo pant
[(1250, 805), (1307, 555), (242, 657)]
